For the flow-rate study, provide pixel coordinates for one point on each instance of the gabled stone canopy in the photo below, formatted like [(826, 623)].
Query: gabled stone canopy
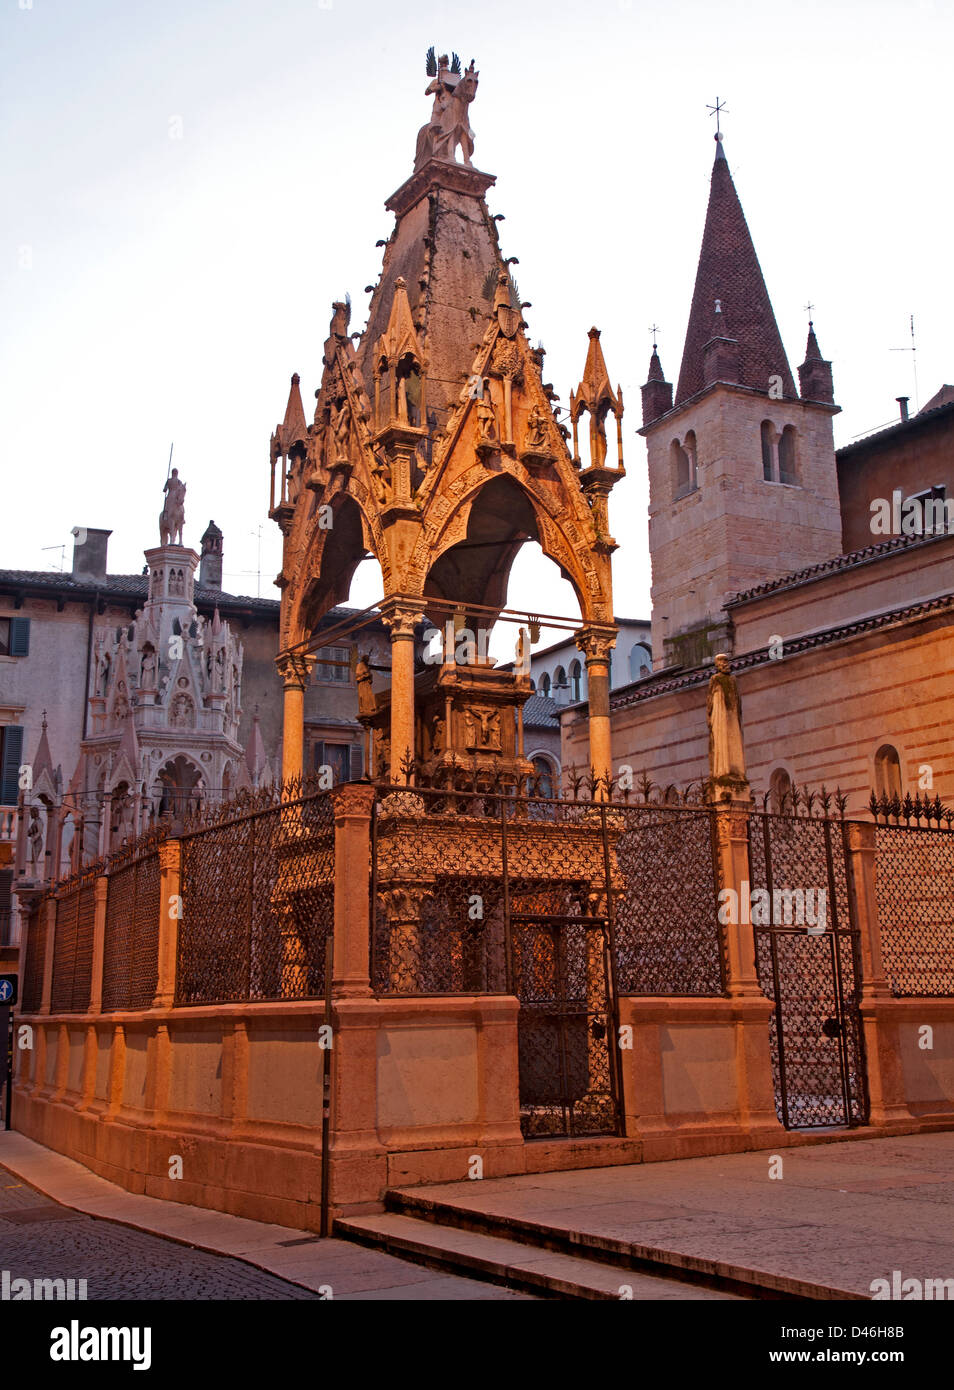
[(435, 446), (403, 480)]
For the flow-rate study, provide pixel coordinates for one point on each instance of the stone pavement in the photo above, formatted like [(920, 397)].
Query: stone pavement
[(841, 1215), (144, 1248)]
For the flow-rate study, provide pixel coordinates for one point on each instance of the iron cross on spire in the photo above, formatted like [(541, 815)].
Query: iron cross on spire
[(654, 329), (809, 308), (716, 110)]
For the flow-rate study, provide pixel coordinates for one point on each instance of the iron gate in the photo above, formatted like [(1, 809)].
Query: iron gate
[(809, 969), (567, 1062)]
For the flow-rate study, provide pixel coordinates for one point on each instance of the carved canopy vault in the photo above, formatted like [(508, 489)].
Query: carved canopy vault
[(435, 445)]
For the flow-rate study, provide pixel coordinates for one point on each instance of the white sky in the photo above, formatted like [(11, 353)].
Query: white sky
[(169, 287)]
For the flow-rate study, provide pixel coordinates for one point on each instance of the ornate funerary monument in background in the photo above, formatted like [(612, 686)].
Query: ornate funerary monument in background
[(542, 982)]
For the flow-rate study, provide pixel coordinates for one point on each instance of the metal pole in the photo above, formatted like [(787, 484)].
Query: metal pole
[(8, 1100)]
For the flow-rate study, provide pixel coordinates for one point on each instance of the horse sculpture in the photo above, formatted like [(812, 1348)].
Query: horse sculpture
[(448, 127), (172, 516)]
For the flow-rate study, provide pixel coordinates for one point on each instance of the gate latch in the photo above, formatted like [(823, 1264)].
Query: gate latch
[(598, 1028), (831, 1028)]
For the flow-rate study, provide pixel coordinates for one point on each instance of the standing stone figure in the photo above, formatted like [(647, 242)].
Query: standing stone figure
[(367, 703), (35, 836), (172, 516), (724, 714)]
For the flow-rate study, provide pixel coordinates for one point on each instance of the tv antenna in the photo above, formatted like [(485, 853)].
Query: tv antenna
[(258, 573), (62, 550), (913, 349)]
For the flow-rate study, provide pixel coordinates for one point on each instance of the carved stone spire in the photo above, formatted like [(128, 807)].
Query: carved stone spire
[(594, 394)]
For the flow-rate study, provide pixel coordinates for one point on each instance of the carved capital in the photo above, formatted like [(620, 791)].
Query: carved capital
[(170, 855), (403, 901), (401, 616), (351, 800), (295, 669), (731, 826), (596, 643)]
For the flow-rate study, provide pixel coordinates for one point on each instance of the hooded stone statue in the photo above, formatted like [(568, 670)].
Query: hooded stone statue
[(724, 715)]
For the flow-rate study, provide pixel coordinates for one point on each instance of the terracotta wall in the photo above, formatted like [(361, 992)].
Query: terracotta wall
[(913, 459)]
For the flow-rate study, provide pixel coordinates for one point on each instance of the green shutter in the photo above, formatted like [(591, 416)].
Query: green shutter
[(19, 636), (10, 764)]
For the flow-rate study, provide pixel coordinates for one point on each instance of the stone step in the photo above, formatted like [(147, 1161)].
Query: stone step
[(627, 1258), (550, 1274)]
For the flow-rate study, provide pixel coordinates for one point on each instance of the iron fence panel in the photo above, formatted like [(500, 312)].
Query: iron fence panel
[(257, 905), (914, 872)]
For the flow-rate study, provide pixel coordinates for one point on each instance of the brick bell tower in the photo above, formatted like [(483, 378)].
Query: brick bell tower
[(742, 480)]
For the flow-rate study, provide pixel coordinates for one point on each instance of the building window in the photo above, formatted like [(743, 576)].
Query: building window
[(334, 664), (576, 681), (887, 771), (11, 753), (14, 636), (543, 775), (545, 684), (929, 517), (780, 791), (787, 471), (345, 760), (768, 451)]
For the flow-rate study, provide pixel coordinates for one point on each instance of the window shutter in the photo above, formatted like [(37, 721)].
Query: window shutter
[(357, 762), (19, 636), (10, 764)]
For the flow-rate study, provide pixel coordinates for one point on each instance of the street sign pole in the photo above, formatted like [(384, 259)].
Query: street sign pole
[(8, 998), (6, 1012)]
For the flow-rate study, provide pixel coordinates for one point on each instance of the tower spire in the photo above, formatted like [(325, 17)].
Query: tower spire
[(729, 273)]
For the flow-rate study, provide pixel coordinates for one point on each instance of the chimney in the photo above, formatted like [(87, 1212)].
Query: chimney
[(89, 554), (210, 565), (903, 403)]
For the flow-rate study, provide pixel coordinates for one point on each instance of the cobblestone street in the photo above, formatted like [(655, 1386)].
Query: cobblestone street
[(40, 1239)]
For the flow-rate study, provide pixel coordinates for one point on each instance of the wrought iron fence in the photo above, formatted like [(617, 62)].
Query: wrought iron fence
[(808, 962), (131, 940), (453, 863), (667, 937), (257, 902), (73, 943), (914, 875), (32, 996)]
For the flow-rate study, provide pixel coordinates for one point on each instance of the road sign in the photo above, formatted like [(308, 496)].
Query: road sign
[(8, 989)]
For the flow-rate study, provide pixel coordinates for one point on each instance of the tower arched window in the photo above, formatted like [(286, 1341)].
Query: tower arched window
[(768, 452), (545, 684), (787, 468), (576, 681), (560, 683), (690, 449), (887, 771), (682, 481)]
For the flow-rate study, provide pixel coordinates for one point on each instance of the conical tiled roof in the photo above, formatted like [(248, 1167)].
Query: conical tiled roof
[(729, 272), (655, 368)]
